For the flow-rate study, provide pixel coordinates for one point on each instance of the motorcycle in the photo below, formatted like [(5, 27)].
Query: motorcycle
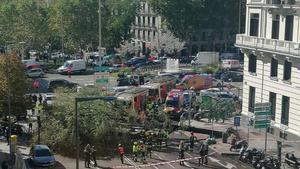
[(252, 156), (268, 163), (292, 161), (259, 155), (239, 144)]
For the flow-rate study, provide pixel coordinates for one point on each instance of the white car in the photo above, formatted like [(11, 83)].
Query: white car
[(35, 73), (49, 97)]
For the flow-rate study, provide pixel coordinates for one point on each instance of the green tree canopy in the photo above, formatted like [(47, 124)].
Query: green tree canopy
[(181, 17), (99, 122), (24, 21), (77, 22), (12, 83), (187, 17)]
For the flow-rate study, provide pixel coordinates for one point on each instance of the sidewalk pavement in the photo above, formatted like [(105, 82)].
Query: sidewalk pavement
[(256, 139)]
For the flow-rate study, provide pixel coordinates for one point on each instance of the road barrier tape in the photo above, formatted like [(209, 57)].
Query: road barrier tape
[(156, 164), (283, 141)]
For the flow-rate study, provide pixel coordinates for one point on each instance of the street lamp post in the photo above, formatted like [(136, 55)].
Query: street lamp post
[(82, 99), (100, 38)]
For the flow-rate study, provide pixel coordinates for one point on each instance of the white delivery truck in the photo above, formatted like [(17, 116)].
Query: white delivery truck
[(72, 66), (206, 58), (231, 64)]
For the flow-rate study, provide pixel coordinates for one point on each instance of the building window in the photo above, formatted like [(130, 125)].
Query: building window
[(287, 70), (139, 34), (275, 27), (153, 21), (272, 100), (154, 34), (274, 67), (289, 24), (254, 24), (144, 34), (144, 20), (251, 99), (149, 38), (252, 63), (149, 20), (139, 21), (285, 106)]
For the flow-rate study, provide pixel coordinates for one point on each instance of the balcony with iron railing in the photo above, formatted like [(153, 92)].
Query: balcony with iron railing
[(274, 2), (270, 45)]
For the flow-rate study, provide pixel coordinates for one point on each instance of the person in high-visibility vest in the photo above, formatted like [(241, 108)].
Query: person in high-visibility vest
[(135, 150), (121, 152)]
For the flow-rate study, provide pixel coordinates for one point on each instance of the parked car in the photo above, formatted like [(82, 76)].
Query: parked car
[(48, 98), (41, 156), (230, 76), (35, 73), (53, 84)]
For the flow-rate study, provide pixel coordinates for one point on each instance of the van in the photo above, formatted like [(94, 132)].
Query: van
[(72, 66), (231, 64)]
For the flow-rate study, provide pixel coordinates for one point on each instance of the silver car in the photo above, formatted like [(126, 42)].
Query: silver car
[(34, 73)]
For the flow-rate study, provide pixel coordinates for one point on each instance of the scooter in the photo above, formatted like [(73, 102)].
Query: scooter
[(238, 145), (268, 163)]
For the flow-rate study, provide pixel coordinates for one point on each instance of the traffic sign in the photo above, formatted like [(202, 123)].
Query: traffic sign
[(262, 113), (237, 121), (101, 78)]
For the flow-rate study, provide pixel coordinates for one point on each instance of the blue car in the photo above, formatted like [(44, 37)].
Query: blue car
[(42, 156)]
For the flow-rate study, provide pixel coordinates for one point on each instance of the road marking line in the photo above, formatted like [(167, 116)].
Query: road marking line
[(162, 159), (187, 164), (132, 162), (189, 154)]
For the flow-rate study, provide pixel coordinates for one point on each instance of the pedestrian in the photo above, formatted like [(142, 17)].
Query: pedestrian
[(149, 147), (93, 154), (135, 151), (69, 73), (142, 149), (181, 152), (7, 135), (205, 153), (34, 99), (121, 152), (192, 141), (202, 154), (87, 155), (33, 111), (160, 138), (30, 127), (40, 98)]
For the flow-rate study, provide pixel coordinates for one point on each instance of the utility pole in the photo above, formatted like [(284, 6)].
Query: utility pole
[(9, 106), (100, 58), (62, 33)]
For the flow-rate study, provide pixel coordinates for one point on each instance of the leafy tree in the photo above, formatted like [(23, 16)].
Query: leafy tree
[(99, 122), (168, 43), (156, 117), (12, 83), (218, 109), (182, 17), (24, 21), (77, 22), (189, 17)]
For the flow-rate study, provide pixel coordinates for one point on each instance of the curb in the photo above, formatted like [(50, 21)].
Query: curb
[(229, 154)]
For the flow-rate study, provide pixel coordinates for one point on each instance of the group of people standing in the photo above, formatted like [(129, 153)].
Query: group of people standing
[(203, 150), (89, 154)]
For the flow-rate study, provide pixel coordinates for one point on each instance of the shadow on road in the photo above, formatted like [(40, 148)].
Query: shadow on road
[(59, 165)]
